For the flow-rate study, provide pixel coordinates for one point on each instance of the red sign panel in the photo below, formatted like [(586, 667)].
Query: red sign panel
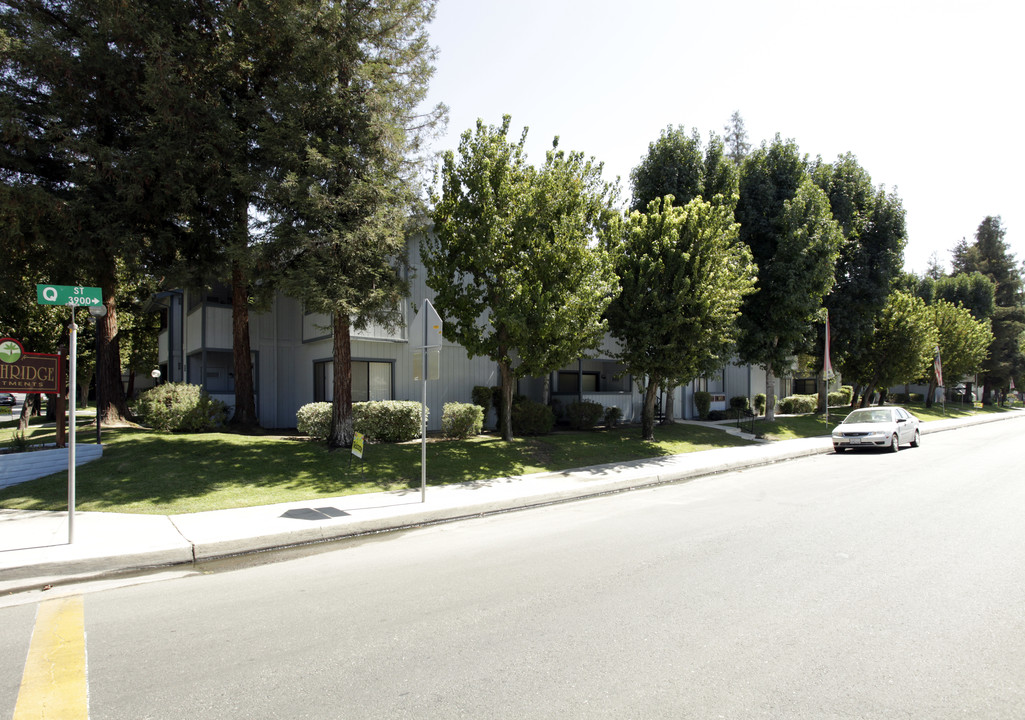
[(24, 372)]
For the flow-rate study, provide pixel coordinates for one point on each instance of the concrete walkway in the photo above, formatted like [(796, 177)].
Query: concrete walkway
[(34, 548)]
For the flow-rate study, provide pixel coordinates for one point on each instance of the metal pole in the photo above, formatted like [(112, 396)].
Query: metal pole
[(72, 389), (97, 373), (423, 433)]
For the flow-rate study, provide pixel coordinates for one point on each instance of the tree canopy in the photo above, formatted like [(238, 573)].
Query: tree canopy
[(683, 275), (786, 221), (513, 256)]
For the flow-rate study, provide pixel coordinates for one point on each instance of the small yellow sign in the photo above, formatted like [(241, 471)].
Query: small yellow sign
[(357, 445)]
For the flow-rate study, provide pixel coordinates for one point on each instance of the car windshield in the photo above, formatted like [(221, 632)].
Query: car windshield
[(869, 416)]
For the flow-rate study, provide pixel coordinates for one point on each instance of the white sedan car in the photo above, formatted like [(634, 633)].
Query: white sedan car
[(877, 427)]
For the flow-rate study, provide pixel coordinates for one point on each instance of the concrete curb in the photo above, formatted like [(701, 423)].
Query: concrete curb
[(185, 539)]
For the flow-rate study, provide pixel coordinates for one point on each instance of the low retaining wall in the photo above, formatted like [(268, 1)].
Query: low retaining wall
[(20, 467)]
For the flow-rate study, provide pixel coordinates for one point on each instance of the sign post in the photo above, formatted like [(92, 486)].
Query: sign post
[(425, 342), (74, 297)]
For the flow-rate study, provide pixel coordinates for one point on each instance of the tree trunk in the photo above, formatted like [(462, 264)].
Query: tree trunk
[(667, 416), (930, 393), (648, 412), (114, 407), (341, 399), (26, 412), (505, 411), (770, 393), (823, 386), (855, 395), (245, 398)]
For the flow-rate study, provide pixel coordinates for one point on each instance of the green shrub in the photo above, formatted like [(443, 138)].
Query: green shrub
[(716, 415), (314, 419), (531, 418), (180, 407), (481, 395), (584, 414), (702, 402), (841, 396), (612, 416), (461, 420), (740, 404), (760, 403), (799, 404), (387, 420)]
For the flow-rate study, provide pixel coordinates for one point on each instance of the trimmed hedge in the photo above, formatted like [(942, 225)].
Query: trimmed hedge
[(740, 403), (532, 418), (584, 415), (462, 420), (314, 419), (387, 420), (760, 403), (842, 396), (799, 404), (702, 402), (378, 420), (180, 407)]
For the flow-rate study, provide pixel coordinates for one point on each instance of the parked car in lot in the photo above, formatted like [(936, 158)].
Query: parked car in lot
[(7, 399), (877, 427)]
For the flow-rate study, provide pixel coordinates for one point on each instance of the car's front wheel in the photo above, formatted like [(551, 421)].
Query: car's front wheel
[(917, 441), (894, 443)]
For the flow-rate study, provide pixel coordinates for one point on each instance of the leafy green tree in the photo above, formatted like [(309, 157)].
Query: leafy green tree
[(512, 256), (869, 261), (902, 344), (786, 221), (963, 340), (990, 255), (678, 164), (683, 276), (973, 290)]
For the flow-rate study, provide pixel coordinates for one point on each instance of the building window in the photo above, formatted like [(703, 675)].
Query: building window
[(574, 383), (371, 380)]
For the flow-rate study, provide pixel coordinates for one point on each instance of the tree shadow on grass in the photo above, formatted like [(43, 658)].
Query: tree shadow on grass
[(144, 471)]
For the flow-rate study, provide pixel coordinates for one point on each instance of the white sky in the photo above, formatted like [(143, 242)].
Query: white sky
[(927, 94)]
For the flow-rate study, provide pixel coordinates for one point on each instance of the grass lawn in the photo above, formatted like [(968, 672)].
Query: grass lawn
[(798, 426), (159, 473), (147, 472)]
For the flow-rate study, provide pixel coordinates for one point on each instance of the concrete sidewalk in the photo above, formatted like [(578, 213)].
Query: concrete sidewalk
[(34, 549)]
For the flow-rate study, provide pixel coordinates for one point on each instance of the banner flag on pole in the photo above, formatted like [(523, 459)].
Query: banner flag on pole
[(827, 365), (937, 366)]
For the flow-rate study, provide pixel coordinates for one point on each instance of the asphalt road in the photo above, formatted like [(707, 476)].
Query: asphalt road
[(841, 586)]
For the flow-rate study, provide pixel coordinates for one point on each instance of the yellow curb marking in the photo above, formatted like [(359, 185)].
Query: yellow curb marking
[(54, 683)]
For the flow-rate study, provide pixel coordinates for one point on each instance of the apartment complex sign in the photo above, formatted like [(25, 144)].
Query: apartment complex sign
[(24, 372)]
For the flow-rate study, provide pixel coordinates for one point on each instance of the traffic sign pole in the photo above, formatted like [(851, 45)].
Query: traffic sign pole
[(73, 296), (72, 388)]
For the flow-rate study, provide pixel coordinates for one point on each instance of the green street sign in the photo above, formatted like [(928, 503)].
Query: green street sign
[(68, 295)]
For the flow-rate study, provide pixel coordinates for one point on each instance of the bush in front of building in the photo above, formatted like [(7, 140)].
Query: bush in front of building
[(799, 404), (180, 407), (702, 403), (842, 396), (314, 419), (532, 418), (613, 415), (378, 420), (387, 420), (584, 414), (462, 420), (760, 404)]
